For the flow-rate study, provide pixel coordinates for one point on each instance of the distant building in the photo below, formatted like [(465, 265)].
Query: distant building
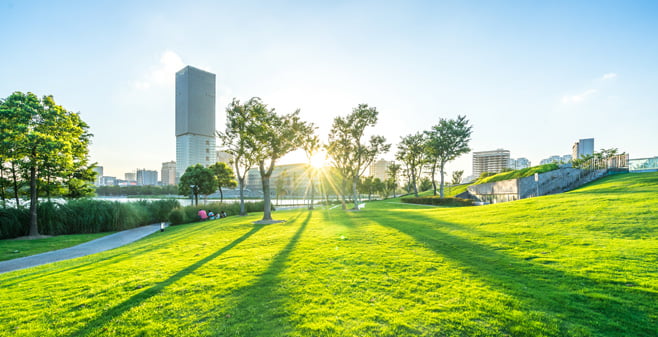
[(99, 175), (378, 169), (168, 173), (130, 176), (643, 165), (293, 178), (490, 161), (195, 119), (147, 177), (108, 181), (556, 159), (518, 164), (582, 147), (224, 157)]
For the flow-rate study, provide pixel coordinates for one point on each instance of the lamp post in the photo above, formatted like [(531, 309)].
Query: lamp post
[(193, 187)]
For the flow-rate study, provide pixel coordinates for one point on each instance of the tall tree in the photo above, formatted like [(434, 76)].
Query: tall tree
[(350, 154), (311, 145), (41, 136), (392, 172), (225, 177), (447, 141), (197, 179), (411, 152), (457, 177), (238, 140), (273, 136)]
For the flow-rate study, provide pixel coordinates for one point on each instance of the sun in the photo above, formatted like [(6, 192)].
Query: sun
[(319, 160)]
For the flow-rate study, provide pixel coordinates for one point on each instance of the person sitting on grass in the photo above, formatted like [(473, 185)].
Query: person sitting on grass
[(211, 215), (202, 215), (222, 214)]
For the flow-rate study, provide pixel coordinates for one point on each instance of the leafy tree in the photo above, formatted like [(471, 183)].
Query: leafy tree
[(42, 139), (273, 136), (457, 177), (198, 180), (392, 171), (225, 177), (447, 141), (311, 146), (238, 141), (347, 149), (411, 151), (367, 185), (425, 184)]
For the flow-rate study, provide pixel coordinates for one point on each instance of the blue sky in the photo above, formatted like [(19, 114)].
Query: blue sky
[(532, 77)]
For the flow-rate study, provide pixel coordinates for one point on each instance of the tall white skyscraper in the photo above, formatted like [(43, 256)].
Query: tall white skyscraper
[(195, 119)]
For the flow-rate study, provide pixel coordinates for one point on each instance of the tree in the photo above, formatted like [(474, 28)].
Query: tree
[(225, 177), (347, 149), (457, 177), (447, 141), (271, 137), (411, 151), (197, 180), (392, 172), (425, 184), (311, 146), (238, 141), (41, 138)]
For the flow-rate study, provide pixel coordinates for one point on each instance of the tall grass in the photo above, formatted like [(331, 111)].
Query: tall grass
[(85, 216)]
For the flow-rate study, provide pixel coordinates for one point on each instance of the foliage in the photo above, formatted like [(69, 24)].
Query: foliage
[(574, 264), (188, 214), (349, 153), (224, 175), (412, 152), (46, 143), (526, 172), (392, 171), (197, 179), (438, 201), (137, 190), (425, 184), (447, 141), (457, 177)]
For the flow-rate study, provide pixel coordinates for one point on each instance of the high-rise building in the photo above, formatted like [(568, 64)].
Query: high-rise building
[(108, 181), (490, 161), (147, 177), (99, 174), (378, 169), (130, 176), (582, 148), (556, 159), (195, 119), (224, 157), (168, 173), (518, 164)]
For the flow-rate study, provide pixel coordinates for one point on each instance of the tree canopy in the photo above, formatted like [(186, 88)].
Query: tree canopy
[(446, 141), (225, 177), (197, 179)]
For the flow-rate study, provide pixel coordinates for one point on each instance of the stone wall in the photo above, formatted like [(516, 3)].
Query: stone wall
[(557, 181)]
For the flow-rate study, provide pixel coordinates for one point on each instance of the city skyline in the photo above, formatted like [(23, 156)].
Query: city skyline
[(532, 78)]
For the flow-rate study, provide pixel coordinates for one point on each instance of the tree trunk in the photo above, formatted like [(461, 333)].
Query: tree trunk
[(34, 229), (414, 183), (196, 199), (434, 180), (15, 178), (442, 173), (355, 180), (221, 195), (267, 205), (242, 208)]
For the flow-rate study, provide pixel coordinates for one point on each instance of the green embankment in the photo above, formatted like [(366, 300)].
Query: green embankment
[(581, 263), (15, 248)]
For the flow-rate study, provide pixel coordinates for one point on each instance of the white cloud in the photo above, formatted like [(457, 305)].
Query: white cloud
[(580, 97), (162, 74), (609, 76)]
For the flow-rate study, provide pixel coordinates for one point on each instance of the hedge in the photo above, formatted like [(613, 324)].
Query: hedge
[(438, 201)]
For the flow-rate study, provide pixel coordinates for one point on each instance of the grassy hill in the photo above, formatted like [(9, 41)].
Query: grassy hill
[(581, 263)]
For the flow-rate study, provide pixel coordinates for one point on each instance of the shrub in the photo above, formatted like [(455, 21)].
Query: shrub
[(13, 223), (438, 201), (189, 214)]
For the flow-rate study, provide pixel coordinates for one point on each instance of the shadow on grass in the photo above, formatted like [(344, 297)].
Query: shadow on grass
[(136, 299), (575, 302), (261, 309), (107, 258)]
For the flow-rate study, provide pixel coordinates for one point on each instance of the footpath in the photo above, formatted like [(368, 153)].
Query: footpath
[(95, 246)]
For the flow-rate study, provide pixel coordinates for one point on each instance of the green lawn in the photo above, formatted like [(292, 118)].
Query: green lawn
[(15, 248), (582, 263)]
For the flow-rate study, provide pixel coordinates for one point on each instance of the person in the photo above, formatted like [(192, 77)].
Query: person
[(203, 215), (211, 215), (222, 214)]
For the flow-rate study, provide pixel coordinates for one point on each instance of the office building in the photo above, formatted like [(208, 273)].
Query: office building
[(490, 161), (582, 147), (518, 164), (556, 159), (99, 175), (168, 173), (224, 157), (130, 176), (147, 177), (195, 119), (108, 181), (378, 169)]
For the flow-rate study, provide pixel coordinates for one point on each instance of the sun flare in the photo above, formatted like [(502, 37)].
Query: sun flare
[(319, 160)]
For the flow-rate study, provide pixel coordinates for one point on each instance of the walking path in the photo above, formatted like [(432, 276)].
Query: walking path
[(95, 246)]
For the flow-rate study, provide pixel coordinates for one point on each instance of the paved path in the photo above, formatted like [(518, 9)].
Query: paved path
[(95, 246)]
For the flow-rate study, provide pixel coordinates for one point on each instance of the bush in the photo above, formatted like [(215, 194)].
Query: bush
[(438, 201), (13, 223), (189, 214)]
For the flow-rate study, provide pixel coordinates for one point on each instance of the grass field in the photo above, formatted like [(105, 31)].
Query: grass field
[(582, 263), (15, 248)]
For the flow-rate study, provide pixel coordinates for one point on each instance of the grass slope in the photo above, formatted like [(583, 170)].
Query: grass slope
[(15, 248), (577, 264)]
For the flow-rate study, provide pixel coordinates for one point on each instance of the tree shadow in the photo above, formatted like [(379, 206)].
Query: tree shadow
[(136, 299), (605, 308), (261, 306)]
